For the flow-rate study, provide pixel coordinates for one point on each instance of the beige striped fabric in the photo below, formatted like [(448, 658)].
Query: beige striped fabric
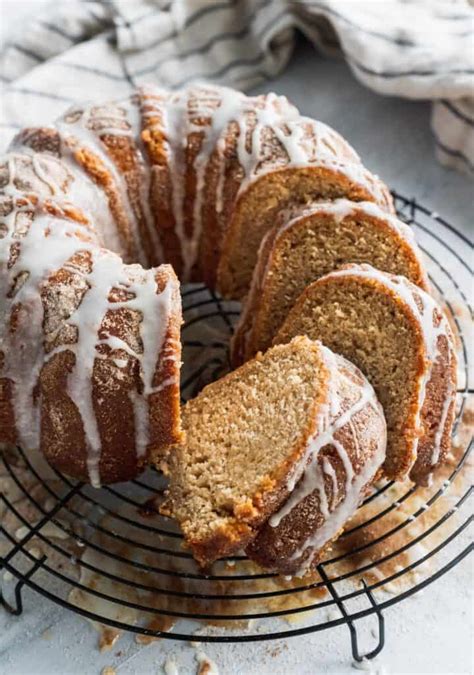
[(419, 49)]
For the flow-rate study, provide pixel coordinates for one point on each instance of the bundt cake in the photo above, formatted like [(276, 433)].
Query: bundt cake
[(291, 438), (309, 243), (89, 342), (400, 339)]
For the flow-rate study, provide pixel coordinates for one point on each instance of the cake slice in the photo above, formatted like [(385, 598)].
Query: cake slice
[(400, 339), (316, 240), (343, 459), (251, 435), (300, 161)]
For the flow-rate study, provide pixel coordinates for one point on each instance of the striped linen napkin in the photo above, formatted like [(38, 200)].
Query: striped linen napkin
[(76, 50)]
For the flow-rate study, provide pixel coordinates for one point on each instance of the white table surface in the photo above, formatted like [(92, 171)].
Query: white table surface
[(430, 633)]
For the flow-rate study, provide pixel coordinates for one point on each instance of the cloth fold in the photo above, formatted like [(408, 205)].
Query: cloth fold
[(418, 49)]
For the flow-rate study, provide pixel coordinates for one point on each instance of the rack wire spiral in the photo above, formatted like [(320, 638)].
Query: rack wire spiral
[(107, 555)]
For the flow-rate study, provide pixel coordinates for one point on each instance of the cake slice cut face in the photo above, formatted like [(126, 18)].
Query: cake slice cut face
[(250, 437), (400, 339), (261, 202), (245, 435), (316, 240)]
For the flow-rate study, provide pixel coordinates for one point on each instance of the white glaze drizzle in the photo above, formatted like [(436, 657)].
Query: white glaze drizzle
[(109, 272), (343, 511), (81, 190), (43, 175), (40, 172), (24, 358), (329, 470), (312, 478), (304, 136), (78, 135)]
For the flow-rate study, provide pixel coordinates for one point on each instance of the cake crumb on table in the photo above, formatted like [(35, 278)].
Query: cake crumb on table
[(206, 665), (170, 667), (108, 670)]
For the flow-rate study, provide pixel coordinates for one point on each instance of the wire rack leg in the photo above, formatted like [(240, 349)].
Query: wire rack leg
[(4, 562), (352, 628), (17, 609)]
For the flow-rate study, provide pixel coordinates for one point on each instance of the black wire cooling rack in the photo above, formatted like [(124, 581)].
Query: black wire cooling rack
[(107, 555)]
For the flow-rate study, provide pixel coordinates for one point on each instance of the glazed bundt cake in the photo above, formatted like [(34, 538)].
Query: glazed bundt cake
[(400, 339), (89, 343), (309, 243), (101, 216), (291, 438)]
